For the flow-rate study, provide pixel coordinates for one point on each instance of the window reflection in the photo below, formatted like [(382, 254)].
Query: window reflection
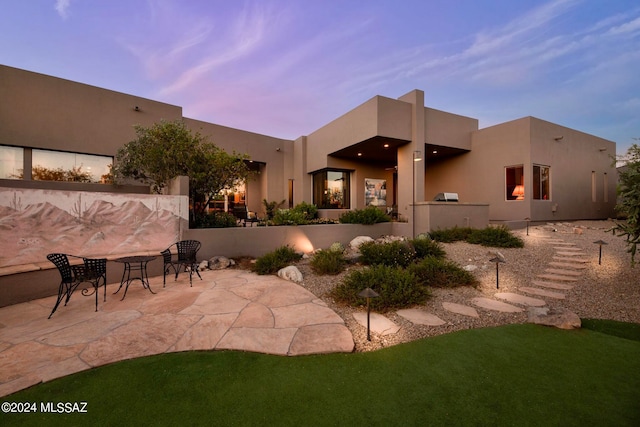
[(11, 162), (331, 189)]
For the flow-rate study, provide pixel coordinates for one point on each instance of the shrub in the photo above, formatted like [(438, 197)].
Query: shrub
[(425, 247), (270, 207), (392, 254), (397, 287), (367, 216), (450, 235), (289, 217), (336, 247), (215, 220), (308, 210), (440, 273), (498, 237), (271, 262), (328, 262)]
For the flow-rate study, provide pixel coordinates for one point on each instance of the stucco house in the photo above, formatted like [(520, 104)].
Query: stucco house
[(397, 154)]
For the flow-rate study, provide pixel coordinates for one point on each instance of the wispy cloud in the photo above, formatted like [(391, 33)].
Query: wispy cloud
[(62, 7)]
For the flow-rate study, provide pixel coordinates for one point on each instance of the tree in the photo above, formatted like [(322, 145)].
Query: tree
[(629, 200), (167, 150)]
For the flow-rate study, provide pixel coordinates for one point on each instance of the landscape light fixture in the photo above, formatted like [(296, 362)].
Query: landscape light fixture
[(600, 243), (497, 260), (528, 220), (368, 293)]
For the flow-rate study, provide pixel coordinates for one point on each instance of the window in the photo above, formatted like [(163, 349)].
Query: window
[(331, 189), (514, 180), (11, 162), (62, 166), (541, 183)]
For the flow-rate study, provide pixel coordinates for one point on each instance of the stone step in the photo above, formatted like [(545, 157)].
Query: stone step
[(552, 285), (465, 310), (564, 244), (520, 299), (571, 273), (378, 323), (575, 266), (557, 277), (571, 259), (421, 317), (491, 304), (542, 292), (567, 248), (570, 253)]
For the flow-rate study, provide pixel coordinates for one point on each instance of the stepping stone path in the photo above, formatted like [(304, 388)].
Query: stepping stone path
[(568, 266)]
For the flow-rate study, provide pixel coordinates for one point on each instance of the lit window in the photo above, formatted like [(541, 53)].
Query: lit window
[(11, 162), (541, 182), (331, 189), (62, 166), (514, 179)]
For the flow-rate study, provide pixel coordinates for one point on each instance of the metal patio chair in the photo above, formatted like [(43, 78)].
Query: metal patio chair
[(185, 256)]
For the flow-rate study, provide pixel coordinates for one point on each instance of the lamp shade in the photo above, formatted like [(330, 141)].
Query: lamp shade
[(518, 192)]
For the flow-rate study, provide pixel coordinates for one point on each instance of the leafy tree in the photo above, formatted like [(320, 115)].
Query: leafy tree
[(167, 150), (629, 201)]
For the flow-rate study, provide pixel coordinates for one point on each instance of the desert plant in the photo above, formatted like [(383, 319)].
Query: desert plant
[(289, 217), (270, 208), (440, 273), (397, 287), (450, 235), (271, 262), (369, 215), (425, 247), (308, 210), (215, 220), (392, 254), (497, 237), (328, 262), (336, 247)]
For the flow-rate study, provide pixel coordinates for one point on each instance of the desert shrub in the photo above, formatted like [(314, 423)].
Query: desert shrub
[(289, 217), (392, 254), (271, 207), (271, 262), (328, 262), (309, 211), (440, 273), (497, 237), (397, 287), (425, 247), (336, 247), (369, 215), (215, 220), (450, 235)]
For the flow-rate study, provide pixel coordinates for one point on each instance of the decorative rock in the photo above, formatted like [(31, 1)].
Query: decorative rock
[(219, 263), (203, 265), (558, 317), (421, 317), (465, 310), (470, 267), (390, 239), (357, 241), (290, 273), (378, 323), (520, 299), (490, 304)]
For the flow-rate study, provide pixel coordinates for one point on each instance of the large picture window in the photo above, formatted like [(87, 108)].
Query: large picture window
[(331, 189), (514, 180), (541, 187), (11, 162), (62, 166)]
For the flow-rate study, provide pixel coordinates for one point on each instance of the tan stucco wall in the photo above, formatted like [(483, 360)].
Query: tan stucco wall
[(449, 130)]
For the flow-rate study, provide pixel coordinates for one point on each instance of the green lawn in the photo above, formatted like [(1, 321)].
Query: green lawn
[(517, 375)]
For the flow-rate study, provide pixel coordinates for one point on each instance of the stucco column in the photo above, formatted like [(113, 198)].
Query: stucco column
[(410, 172)]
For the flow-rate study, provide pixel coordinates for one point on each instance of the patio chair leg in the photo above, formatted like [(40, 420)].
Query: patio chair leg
[(60, 296)]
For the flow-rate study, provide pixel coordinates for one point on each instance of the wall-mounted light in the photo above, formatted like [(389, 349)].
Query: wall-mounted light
[(136, 108), (602, 149), (417, 156), (558, 138)]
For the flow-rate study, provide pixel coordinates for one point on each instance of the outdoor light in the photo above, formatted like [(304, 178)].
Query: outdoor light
[(497, 260), (368, 293), (527, 219), (417, 156), (600, 243)]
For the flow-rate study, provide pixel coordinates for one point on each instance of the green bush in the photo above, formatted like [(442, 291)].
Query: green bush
[(308, 210), (289, 217), (397, 287), (369, 215), (450, 235), (425, 247), (215, 220), (392, 254), (271, 262), (440, 273), (328, 262), (497, 237)]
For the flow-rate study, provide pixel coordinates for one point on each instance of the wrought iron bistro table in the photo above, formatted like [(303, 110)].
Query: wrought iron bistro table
[(136, 264)]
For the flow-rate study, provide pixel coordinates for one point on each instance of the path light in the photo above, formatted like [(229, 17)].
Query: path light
[(527, 219), (497, 260), (600, 243), (368, 293)]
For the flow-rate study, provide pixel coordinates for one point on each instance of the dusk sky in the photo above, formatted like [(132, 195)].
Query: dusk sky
[(284, 68)]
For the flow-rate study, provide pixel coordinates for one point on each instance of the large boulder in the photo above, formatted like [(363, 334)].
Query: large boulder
[(558, 317), (357, 241), (219, 263), (290, 273)]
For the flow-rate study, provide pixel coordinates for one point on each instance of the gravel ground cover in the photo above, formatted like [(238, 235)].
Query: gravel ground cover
[(610, 290)]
